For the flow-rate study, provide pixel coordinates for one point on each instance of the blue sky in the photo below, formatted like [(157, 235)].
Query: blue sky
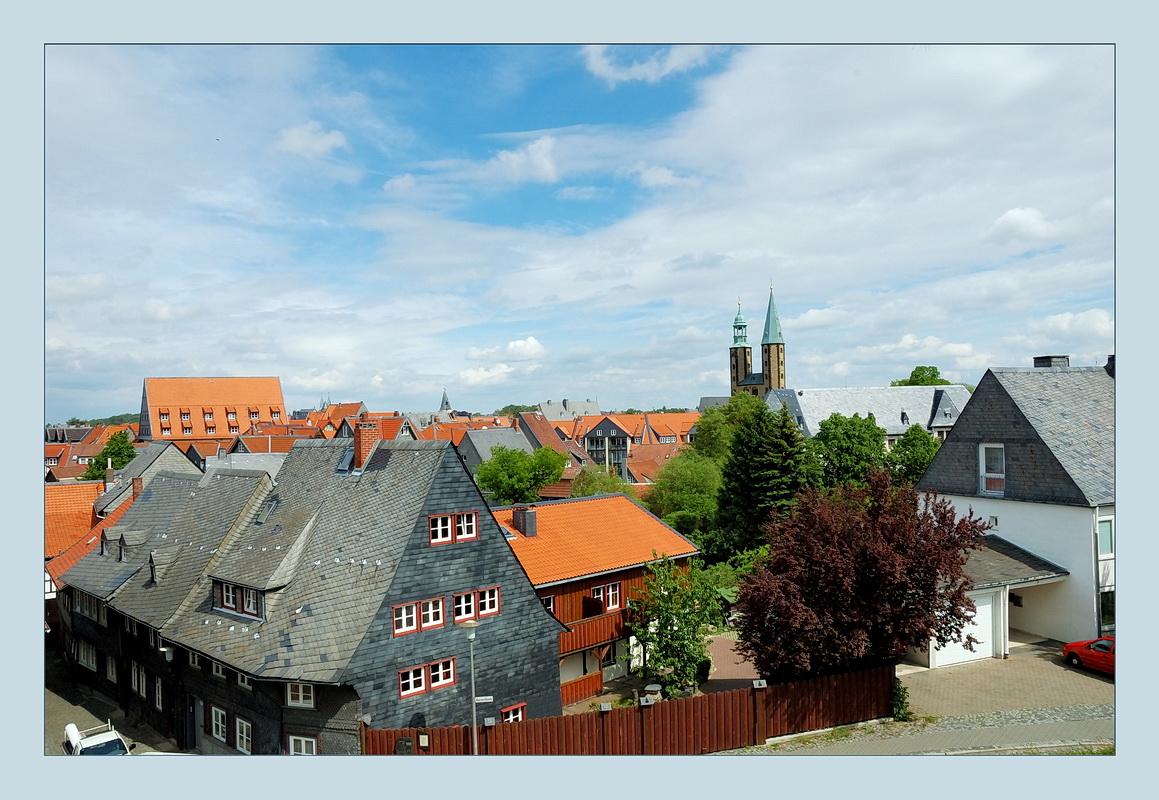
[(523, 223)]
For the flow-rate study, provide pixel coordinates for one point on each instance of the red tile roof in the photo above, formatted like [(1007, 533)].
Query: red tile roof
[(590, 535), (217, 397), (68, 514), (87, 543)]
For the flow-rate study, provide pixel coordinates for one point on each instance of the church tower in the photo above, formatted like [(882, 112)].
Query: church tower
[(773, 349), (740, 354)]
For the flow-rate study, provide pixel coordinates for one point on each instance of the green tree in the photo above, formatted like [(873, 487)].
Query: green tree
[(118, 448), (593, 480), (911, 455), (513, 409), (514, 476), (858, 575), (670, 617), (717, 425), (74, 422), (684, 493), (922, 376), (848, 448), (769, 462)]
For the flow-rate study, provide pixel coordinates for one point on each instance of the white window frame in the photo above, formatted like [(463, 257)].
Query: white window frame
[(440, 528), (233, 429), (141, 680), (612, 596), (218, 669), (243, 735), (412, 681), (405, 618), (548, 603), (218, 721), (229, 596), (157, 699), (488, 602), (301, 745), (1109, 521), (164, 417), (467, 601), (111, 668), (442, 673), (985, 475), (86, 654), (211, 429), (194, 659), (249, 600), (466, 527), (431, 613), (515, 713), (244, 681), (231, 415), (300, 695)]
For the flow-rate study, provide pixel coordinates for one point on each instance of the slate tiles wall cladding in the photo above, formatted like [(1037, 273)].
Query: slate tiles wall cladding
[(516, 657)]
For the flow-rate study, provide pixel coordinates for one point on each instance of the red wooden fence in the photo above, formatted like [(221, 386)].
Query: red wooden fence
[(581, 688), (706, 723)]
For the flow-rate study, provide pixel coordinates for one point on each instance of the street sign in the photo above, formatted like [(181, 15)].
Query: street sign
[(485, 698)]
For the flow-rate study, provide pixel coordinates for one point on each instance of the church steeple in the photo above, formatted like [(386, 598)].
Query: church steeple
[(773, 349), (740, 355)]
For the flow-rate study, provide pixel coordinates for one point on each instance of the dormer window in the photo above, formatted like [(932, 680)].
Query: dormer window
[(231, 415), (992, 469), (164, 416), (267, 509), (239, 599)]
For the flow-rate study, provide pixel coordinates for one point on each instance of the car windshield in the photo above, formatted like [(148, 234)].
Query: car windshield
[(113, 747)]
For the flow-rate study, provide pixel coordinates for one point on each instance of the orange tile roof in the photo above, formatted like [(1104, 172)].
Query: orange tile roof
[(197, 397), (590, 535), (68, 514), (87, 543)]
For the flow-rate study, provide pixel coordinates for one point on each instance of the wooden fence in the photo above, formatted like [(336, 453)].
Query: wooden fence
[(707, 723)]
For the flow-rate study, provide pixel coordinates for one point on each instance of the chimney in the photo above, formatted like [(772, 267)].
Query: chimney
[(523, 518), (365, 437), (1045, 362), (138, 486), (1110, 368)]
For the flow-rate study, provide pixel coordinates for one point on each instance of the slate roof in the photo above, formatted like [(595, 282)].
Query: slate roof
[(1073, 410), (589, 536), (340, 539), (476, 445), (1001, 563), (894, 408), (145, 458)]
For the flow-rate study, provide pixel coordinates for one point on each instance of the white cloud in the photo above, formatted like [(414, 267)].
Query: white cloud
[(532, 162), (527, 349), (1096, 323), (1023, 224), (309, 140), (660, 64), (582, 193), (484, 376), (650, 176)]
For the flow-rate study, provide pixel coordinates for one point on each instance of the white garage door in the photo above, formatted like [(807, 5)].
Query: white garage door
[(982, 629)]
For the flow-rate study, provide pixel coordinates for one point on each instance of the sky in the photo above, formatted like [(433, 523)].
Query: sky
[(516, 224)]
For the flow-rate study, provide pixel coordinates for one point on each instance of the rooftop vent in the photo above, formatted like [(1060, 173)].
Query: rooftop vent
[(523, 518)]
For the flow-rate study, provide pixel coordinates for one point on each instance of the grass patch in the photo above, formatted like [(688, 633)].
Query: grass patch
[(839, 734)]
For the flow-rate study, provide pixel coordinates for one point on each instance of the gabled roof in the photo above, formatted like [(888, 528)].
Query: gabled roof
[(85, 545), (68, 514), (1073, 410), (143, 463), (588, 536), (1001, 563), (894, 408), (476, 445)]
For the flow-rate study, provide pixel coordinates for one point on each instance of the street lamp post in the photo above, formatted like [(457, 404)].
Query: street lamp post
[(474, 623)]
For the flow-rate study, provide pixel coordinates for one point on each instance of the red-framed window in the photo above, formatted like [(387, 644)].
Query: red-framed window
[(447, 528), (406, 618), (431, 614), (515, 713), (424, 615), (229, 596), (426, 678), (488, 601)]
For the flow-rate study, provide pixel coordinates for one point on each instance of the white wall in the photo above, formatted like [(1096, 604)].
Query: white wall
[(1064, 535)]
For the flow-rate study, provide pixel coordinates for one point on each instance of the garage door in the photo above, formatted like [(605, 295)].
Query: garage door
[(982, 629)]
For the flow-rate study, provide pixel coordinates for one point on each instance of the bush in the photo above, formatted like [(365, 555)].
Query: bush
[(899, 703)]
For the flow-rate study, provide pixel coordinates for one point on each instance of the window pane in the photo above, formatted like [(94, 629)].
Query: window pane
[(1106, 538), (1107, 609), (995, 461)]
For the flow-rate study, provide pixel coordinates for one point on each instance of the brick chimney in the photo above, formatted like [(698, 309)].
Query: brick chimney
[(365, 437), (138, 486), (1045, 362), (523, 518)]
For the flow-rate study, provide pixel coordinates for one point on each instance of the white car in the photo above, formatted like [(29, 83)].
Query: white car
[(103, 740)]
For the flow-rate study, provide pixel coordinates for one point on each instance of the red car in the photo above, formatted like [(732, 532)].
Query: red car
[(1094, 653)]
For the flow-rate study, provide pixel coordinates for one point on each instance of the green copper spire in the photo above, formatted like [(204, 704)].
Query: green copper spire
[(739, 329), (772, 324)]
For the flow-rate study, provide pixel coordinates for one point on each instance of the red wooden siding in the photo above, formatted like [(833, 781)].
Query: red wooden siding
[(702, 724), (582, 688), (590, 632)]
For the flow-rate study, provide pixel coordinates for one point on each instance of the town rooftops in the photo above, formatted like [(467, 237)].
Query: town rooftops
[(894, 408), (588, 536)]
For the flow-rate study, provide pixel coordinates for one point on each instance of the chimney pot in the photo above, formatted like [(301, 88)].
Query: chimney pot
[(523, 518)]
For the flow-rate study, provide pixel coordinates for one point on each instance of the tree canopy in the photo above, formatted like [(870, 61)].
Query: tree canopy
[(922, 376), (911, 455), (514, 476), (718, 424), (593, 480), (684, 493), (512, 409), (848, 448), (769, 462), (857, 575), (119, 448), (669, 618)]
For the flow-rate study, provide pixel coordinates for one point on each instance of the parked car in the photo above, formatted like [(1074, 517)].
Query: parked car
[(1094, 653), (103, 740)]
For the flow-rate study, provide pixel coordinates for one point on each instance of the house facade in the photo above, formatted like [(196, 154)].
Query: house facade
[(236, 613), (1033, 455), (587, 558)]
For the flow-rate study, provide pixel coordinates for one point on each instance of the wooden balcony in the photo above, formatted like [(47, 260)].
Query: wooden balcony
[(582, 688), (592, 631)]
